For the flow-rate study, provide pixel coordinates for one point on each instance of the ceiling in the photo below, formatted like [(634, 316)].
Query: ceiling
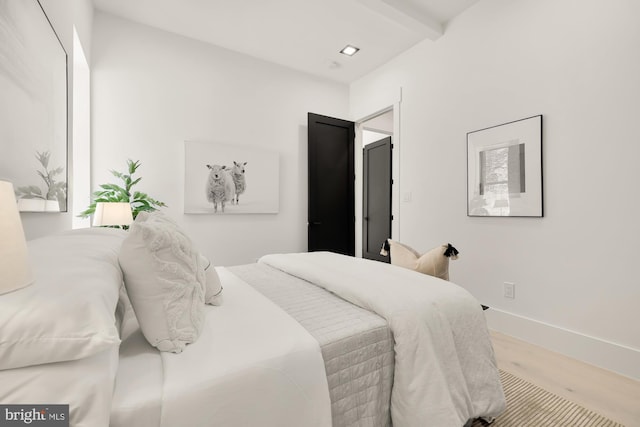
[(306, 35)]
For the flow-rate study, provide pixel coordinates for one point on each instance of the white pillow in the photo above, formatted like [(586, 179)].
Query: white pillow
[(434, 262), (69, 311), (213, 286), (165, 280)]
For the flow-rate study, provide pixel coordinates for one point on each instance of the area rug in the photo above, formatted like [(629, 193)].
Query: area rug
[(531, 406)]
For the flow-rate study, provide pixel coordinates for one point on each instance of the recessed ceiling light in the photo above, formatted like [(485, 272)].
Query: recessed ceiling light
[(349, 50)]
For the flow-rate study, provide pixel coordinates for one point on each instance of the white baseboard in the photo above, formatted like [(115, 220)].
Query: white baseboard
[(607, 355)]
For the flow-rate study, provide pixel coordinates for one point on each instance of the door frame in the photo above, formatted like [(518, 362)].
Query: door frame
[(395, 172)]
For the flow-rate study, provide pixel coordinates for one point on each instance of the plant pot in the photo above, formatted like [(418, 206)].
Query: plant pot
[(31, 205), (38, 205), (52, 206)]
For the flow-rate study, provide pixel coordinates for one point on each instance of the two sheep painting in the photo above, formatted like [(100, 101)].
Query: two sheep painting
[(230, 179), (225, 184)]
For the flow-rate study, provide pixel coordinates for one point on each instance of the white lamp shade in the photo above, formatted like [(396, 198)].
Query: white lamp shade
[(112, 213), (14, 261)]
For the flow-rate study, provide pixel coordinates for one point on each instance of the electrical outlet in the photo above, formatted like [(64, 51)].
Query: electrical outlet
[(509, 290)]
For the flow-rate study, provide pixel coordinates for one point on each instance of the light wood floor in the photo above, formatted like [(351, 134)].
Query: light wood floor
[(609, 394)]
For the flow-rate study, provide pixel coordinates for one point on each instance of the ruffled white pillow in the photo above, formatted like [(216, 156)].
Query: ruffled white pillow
[(165, 280), (213, 287)]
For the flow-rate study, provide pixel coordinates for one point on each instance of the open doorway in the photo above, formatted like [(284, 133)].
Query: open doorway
[(376, 184), (384, 122), (377, 178)]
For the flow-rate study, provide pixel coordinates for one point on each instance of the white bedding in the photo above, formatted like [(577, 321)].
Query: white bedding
[(58, 337), (137, 396), (253, 365), (445, 370), (86, 385)]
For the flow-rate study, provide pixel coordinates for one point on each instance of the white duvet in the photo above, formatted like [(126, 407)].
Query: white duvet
[(445, 370), (253, 365)]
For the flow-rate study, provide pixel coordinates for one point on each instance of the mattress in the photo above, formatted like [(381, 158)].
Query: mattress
[(356, 344)]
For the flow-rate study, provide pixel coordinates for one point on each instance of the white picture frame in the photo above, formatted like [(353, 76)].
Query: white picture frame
[(504, 170)]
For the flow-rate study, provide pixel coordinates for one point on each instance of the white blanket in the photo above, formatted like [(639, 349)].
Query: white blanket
[(253, 365), (445, 371)]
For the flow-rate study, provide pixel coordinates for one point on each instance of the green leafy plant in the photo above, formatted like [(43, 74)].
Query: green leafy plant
[(54, 190), (140, 202)]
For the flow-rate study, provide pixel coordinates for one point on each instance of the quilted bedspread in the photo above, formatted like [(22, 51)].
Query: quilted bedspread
[(445, 371), (356, 344)]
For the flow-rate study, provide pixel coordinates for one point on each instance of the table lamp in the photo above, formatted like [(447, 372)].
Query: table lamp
[(15, 272), (112, 213)]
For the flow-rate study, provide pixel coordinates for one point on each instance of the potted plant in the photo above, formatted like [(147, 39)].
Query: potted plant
[(123, 193)]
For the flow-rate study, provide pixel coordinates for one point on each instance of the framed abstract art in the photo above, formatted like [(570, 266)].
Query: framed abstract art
[(504, 169)]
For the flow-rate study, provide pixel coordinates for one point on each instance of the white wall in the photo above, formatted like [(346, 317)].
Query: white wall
[(64, 15), (152, 90), (576, 63), (81, 134)]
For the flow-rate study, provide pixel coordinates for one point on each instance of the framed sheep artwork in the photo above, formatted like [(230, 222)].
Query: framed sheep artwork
[(224, 179)]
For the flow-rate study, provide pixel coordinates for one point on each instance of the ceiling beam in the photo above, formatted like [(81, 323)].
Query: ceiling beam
[(407, 15)]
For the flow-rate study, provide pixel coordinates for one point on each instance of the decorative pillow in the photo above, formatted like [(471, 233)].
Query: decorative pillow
[(69, 311), (213, 286), (165, 280), (435, 262)]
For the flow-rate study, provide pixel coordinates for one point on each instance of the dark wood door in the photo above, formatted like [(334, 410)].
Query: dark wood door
[(331, 185), (376, 212)]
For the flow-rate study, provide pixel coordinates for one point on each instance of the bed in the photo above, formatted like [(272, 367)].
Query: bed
[(310, 339)]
